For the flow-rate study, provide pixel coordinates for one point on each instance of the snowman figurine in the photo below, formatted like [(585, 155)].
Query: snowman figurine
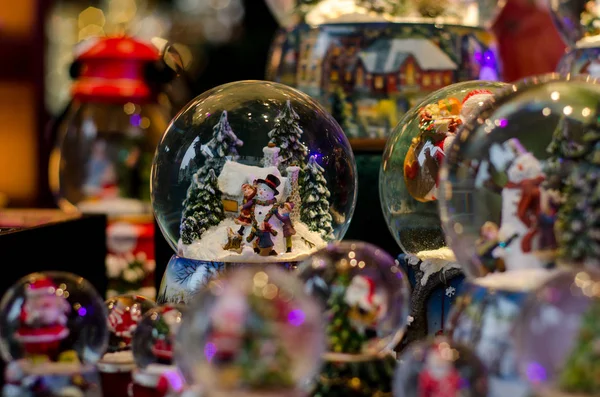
[(262, 208), (43, 320), (368, 304), (522, 197), (439, 378)]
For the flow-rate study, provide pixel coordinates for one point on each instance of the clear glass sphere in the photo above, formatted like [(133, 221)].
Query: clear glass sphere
[(365, 294), (124, 314), (512, 195), (440, 367), (103, 156), (153, 339), (50, 317), (408, 179), (451, 12), (557, 337), (253, 171), (577, 21), (253, 331)]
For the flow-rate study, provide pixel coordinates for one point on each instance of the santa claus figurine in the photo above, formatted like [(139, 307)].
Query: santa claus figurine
[(368, 304), (43, 319), (123, 320), (474, 101), (439, 378)]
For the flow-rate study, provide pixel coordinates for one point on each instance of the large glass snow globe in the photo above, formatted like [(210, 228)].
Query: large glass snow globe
[(518, 182), (414, 153), (369, 62), (253, 172)]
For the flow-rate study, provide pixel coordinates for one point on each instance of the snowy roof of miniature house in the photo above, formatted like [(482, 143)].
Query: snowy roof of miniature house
[(234, 175), (388, 55)]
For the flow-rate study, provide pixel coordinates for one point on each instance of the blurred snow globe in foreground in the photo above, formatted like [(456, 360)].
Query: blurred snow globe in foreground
[(251, 172), (440, 367), (365, 295), (517, 182), (53, 326), (253, 332), (414, 153), (558, 336)]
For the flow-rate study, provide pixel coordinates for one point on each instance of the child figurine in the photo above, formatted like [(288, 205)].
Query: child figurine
[(283, 214), (263, 235), (485, 245), (245, 217)]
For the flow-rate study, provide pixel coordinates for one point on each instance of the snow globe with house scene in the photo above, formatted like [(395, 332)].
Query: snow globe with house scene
[(409, 192), (518, 205), (249, 172), (370, 62)]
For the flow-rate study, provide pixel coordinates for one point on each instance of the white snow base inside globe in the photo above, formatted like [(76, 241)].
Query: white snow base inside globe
[(433, 261), (117, 362), (520, 280), (210, 247)]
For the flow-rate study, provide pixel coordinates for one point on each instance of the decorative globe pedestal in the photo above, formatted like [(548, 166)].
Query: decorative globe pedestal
[(484, 316), (434, 292), (184, 277), (584, 58)]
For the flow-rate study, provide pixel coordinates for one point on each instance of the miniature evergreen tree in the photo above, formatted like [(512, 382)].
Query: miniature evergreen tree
[(578, 222), (222, 147), (581, 373), (315, 200), (342, 337), (287, 135), (341, 110), (202, 208)]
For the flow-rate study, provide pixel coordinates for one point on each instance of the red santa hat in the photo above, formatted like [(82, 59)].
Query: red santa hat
[(41, 286)]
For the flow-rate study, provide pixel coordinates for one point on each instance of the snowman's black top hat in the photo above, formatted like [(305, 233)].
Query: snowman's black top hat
[(271, 181)]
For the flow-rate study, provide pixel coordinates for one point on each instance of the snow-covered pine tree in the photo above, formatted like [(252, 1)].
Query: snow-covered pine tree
[(202, 208), (287, 135), (222, 147), (315, 200)]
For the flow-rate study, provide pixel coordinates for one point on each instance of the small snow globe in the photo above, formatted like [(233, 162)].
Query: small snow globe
[(250, 172), (153, 345), (53, 327), (253, 332), (408, 179), (124, 314), (365, 295), (369, 62), (578, 22), (440, 367), (558, 336), (517, 182)]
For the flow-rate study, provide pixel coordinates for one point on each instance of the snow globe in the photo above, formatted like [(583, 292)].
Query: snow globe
[(115, 367), (440, 367), (409, 191), (578, 24), (366, 298), (153, 344), (53, 332), (369, 62), (511, 209), (105, 142), (558, 336), (249, 172), (252, 332)]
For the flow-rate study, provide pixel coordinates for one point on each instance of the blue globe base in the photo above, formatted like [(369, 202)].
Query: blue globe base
[(184, 277)]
